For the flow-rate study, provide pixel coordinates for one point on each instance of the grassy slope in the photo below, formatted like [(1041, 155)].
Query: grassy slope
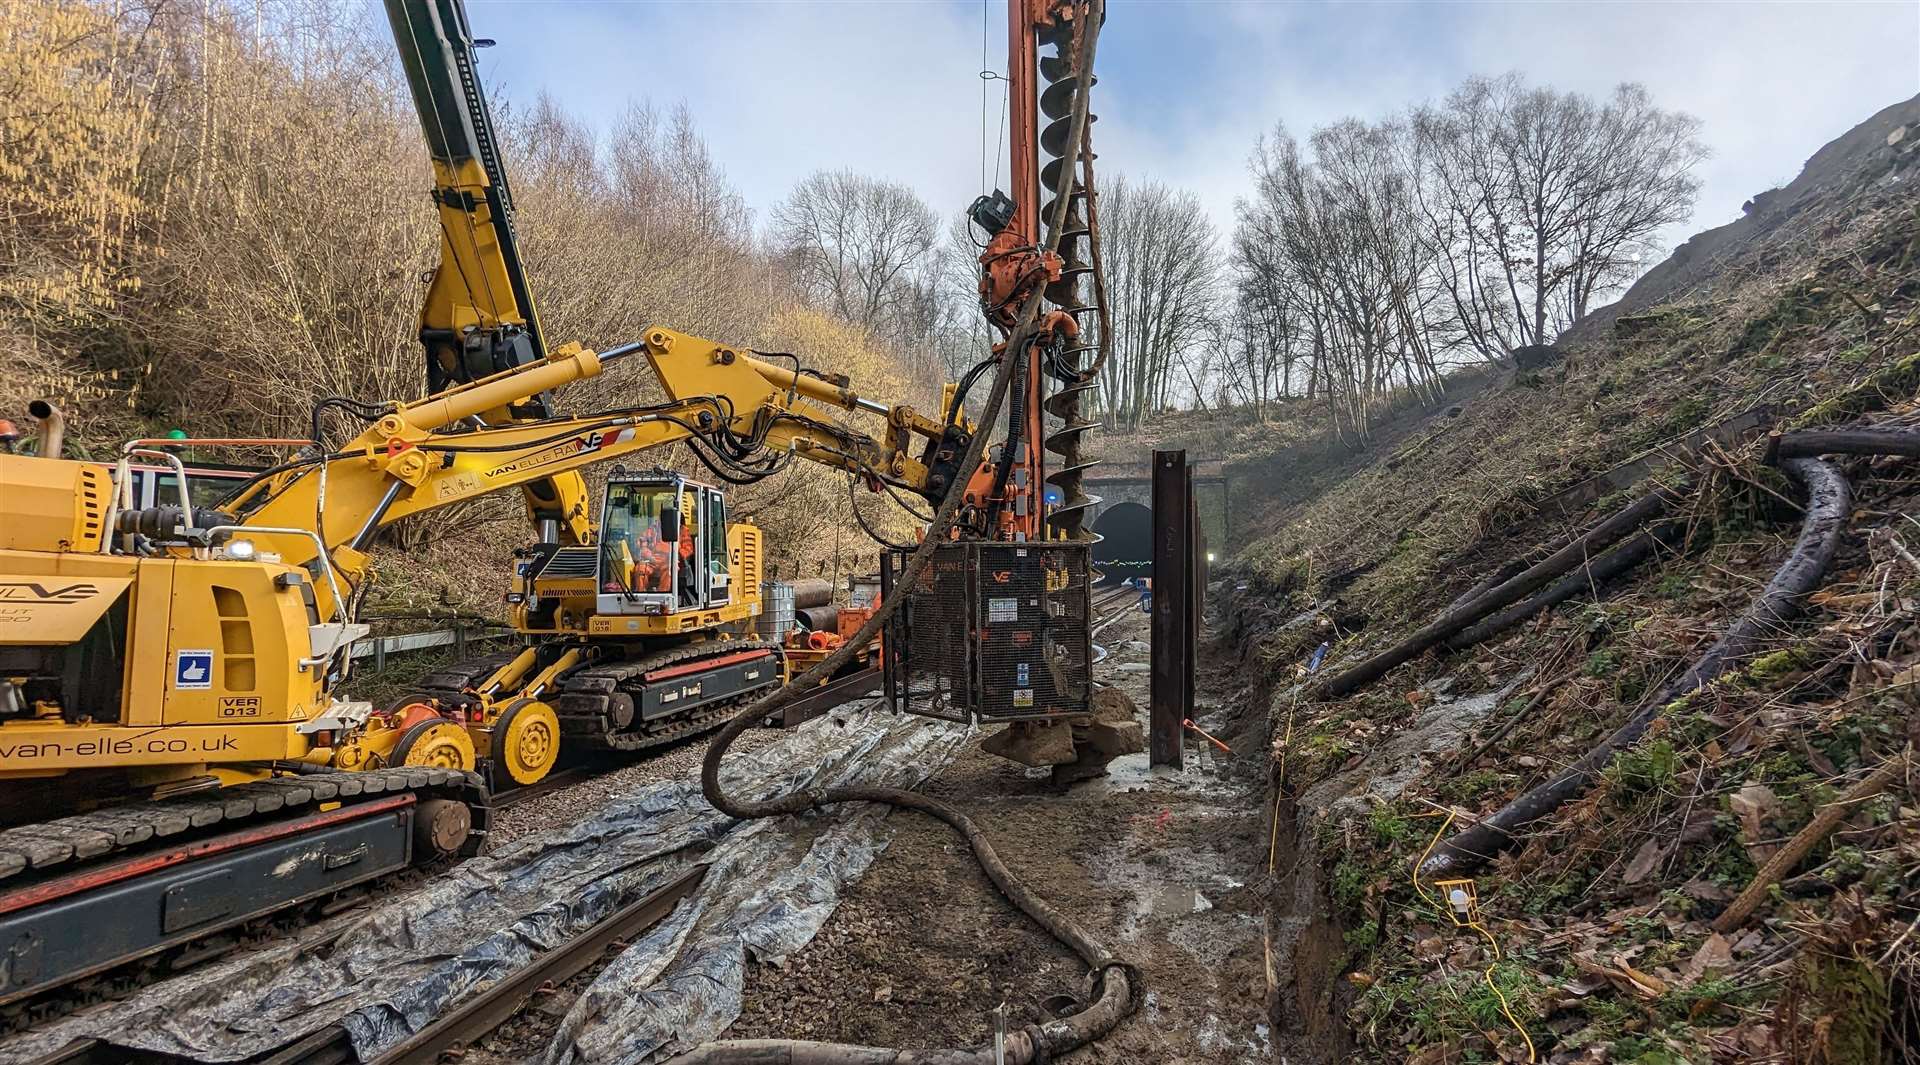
[(1811, 305)]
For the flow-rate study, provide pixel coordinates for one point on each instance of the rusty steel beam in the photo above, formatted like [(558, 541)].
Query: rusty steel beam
[(1175, 611), (829, 696)]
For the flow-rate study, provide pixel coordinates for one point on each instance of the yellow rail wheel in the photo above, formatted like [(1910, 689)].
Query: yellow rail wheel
[(436, 743), (526, 741)]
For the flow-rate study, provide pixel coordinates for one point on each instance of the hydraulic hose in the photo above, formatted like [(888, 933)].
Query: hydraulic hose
[(1016, 432), (1828, 504), (1119, 983)]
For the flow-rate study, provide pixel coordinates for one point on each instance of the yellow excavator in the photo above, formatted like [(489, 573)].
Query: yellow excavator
[(633, 633), (174, 758)]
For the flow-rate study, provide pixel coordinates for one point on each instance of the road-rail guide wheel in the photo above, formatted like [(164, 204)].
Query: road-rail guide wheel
[(526, 741), (435, 743)]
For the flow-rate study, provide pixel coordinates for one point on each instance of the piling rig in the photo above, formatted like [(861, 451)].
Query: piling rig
[(997, 629), (926, 580)]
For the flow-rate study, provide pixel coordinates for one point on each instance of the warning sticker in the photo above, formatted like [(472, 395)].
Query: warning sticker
[(1022, 697), (1003, 609)]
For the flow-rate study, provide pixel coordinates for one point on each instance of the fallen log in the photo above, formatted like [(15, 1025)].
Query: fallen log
[(1618, 559), (1810, 442), (1826, 518), (1508, 570), (1807, 838), (1576, 552)]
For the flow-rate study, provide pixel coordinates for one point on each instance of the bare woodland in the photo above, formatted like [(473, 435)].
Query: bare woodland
[(165, 260), (1378, 254)]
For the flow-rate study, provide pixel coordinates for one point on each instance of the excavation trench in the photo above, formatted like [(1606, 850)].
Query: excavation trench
[(1305, 944), (1169, 865)]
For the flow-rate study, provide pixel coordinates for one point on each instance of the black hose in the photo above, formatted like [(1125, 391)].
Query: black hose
[(967, 381), (1868, 441), (1016, 430), (854, 505), (1826, 519)]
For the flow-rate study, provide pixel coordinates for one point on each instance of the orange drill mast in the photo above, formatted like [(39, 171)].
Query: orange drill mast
[(1037, 246)]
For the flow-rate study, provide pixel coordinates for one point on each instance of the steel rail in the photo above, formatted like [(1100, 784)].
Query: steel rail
[(552, 782)]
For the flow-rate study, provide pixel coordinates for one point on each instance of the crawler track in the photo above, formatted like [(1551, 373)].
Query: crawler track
[(162, 856), (603, 706)]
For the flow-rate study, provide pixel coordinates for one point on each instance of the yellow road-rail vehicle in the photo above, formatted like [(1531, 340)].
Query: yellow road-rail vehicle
[(173, 758)]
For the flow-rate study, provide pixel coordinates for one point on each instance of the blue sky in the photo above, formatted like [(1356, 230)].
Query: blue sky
[(892, 88)]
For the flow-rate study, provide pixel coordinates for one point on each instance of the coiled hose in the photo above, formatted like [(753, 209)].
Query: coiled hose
[(1118, 982)]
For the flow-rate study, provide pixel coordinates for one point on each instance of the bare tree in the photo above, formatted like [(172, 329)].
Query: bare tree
[(963, 336), (1376, 253), (857, 246), (1326, 249), (1162, 266), (1257, 351), (1543, 199), (155, 273)]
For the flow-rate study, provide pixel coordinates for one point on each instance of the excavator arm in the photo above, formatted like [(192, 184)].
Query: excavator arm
[(479, 317), (424, 455)]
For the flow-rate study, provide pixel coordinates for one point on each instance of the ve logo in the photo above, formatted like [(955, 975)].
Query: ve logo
[(193, 670)]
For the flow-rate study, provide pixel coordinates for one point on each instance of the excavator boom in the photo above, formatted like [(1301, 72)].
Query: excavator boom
[(420, 457)]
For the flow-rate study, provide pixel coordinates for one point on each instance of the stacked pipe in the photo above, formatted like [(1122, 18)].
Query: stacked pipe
[(1066, 437)]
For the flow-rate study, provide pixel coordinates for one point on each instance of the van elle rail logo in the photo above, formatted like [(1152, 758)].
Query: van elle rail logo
[(35, 592)]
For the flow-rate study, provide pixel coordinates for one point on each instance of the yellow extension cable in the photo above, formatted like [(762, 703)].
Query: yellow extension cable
[(1472, 921)]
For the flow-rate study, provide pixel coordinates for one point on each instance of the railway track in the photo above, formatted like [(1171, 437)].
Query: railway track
[(1107, 608), (459, 1027), (485, 1012), (127, 978)]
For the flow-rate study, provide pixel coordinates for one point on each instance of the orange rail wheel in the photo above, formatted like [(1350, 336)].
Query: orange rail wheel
[(435, 742)]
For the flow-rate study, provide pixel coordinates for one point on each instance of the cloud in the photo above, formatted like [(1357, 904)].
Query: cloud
[(892, 89)]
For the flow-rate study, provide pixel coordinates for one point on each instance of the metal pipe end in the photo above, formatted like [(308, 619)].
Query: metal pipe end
[(53, 426)]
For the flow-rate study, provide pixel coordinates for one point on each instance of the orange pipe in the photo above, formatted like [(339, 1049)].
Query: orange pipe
[(1023, 105)]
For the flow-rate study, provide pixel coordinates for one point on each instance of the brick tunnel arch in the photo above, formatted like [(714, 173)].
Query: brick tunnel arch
[(1126, 546)]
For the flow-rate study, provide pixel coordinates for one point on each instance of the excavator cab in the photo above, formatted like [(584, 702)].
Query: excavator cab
[(663, 545)]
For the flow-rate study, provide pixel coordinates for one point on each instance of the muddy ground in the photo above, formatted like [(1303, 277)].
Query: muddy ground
[(1166, 867), (1159, 864)]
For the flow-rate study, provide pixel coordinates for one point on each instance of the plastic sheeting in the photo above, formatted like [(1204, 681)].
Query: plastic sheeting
[(385, 974)]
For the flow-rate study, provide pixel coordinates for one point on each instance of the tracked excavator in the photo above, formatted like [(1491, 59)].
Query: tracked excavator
[(634, 620)]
